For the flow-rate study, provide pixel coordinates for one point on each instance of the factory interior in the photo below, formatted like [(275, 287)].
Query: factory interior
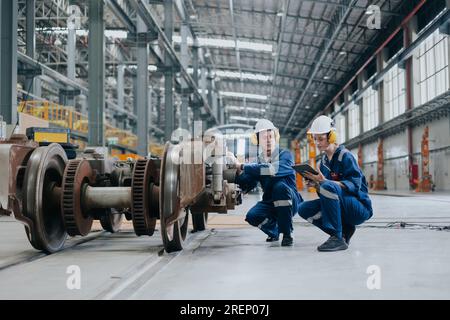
[(224, 150)]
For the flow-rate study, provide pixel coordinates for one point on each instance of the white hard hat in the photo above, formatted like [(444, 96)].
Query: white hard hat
[(264, 124), (321, 125)]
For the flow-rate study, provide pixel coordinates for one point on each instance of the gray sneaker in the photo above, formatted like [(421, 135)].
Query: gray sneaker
[(333, 244)]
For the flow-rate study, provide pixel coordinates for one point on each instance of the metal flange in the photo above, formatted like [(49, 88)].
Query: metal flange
[(77, 176)]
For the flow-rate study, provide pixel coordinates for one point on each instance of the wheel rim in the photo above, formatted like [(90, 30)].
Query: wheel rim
[(174, 219), (44, 173)]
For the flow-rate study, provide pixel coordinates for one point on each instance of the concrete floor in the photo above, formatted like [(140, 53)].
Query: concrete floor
[(232, 260)]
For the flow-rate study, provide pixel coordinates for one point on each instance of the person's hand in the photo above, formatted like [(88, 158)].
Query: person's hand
[(234, 162), (231, 158), (317, 178), (312, 184)]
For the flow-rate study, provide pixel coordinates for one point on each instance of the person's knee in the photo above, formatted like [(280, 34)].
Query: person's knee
[(252, 217), (304, 211), (330, 190)]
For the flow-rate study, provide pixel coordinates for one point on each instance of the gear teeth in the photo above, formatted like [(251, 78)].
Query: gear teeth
[(142, 223), (68, 198)]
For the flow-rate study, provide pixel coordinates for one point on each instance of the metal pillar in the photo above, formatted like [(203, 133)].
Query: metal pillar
[(30, 41), (151, 110), (361, 81), (407, 35), (142, 91), (380, 181), (8, 61), (184, 86), (210, 89), (203, 82), (71, 48), (168, 74), (195, 64), (121, 86), (222, 111), (96, 73), (381, 58)]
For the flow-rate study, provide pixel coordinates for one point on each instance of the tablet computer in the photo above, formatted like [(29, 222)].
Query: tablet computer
[(302, 168)]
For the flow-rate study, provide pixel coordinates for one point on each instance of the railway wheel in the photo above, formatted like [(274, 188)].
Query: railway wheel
[(174, 219), (41, 203)]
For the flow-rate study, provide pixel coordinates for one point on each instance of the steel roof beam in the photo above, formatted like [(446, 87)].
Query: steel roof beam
[(142, 9), (340, 17)]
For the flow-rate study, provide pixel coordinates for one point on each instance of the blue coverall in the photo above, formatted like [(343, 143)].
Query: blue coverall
[(273, 215), (337, 206)]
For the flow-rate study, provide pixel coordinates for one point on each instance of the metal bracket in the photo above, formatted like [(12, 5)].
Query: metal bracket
[(163, 68), (142, 38), (70, 93), (29, 72), (444, 28)]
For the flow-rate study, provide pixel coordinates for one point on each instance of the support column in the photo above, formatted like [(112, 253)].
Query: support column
[(71, 50), (151, 109), (380, 182), (347, 117), (184, 86), (408, 30), (221, 111), (203, 82), (195, 66), (361, 82), (8, 61), (30, 41), (381, 58), (209, 82), (96, 73), (142, 91), (121, 86), (168, 74)]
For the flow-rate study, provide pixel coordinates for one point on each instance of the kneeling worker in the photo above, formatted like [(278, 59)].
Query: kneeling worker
[(281, 200), (342, 188)]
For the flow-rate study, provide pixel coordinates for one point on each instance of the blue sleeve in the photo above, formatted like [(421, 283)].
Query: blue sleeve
[(246, 182), (351, 175), (285, 164), (281, 168)]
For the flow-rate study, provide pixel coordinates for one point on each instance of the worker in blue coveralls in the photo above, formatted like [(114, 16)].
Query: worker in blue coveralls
[(342, 189), (273, 170)]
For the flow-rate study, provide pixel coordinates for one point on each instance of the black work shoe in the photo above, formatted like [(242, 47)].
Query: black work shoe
[(333, 244), (287, 241), (347, 232), (272, 239)]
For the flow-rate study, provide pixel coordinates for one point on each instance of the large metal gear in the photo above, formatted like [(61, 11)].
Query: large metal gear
[(78, 174), (142, 189), (173, 218), (41, 201)]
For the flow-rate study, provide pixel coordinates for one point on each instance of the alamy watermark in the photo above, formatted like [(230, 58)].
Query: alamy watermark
[(374, 280), (373, 13), (73, 281)]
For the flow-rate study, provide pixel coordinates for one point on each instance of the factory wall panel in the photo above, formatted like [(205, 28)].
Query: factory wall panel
[(396, 162), (439, 145), (369, 152)]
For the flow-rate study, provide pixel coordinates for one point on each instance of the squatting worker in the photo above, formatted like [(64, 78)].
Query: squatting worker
[(273, 170), (342, 188)]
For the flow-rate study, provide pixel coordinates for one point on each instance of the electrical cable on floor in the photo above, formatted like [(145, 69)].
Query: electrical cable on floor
[(399, 225), (407, 225)]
